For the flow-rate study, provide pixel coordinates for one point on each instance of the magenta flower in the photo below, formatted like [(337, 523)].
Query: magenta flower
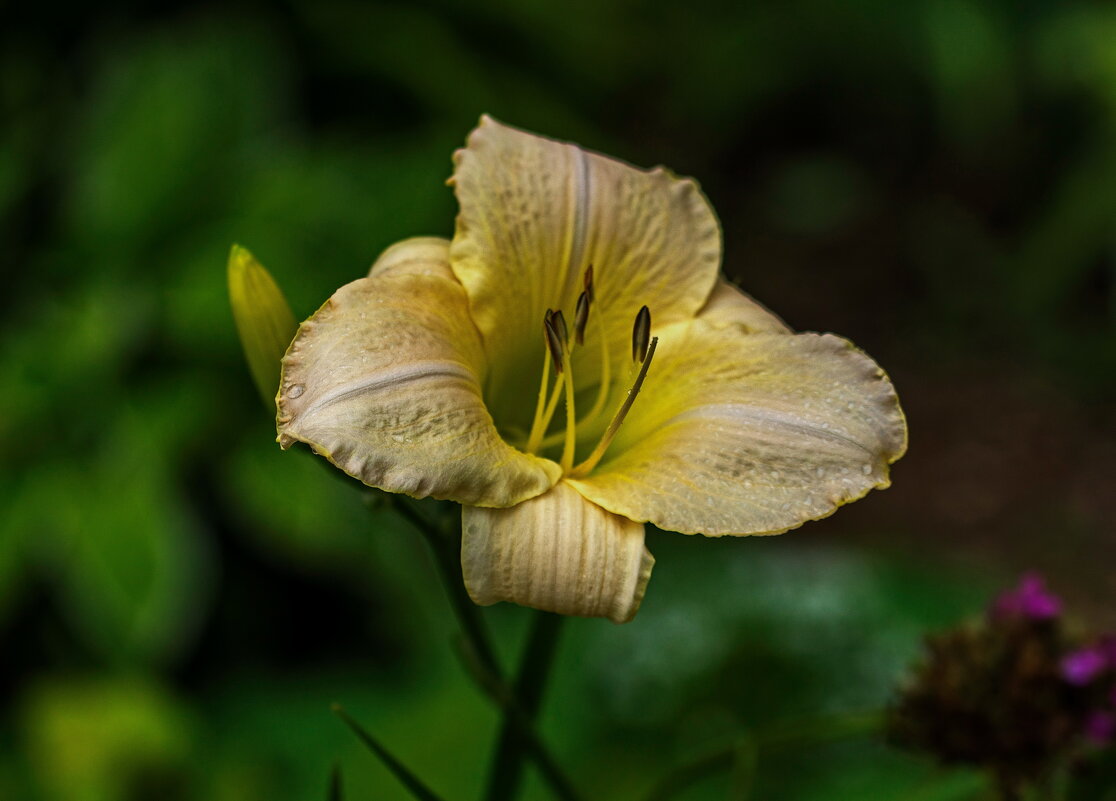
[(1030, 600), (1080, 667)]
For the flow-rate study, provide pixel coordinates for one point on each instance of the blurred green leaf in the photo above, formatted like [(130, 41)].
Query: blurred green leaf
[(129, 557), (102, 739)]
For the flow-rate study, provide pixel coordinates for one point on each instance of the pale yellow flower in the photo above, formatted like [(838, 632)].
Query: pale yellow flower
[(437, 376)]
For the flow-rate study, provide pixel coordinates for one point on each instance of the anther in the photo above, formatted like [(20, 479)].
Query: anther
[(589, 283), (581, 317), (641, 335), (554, 341), (559, 321)]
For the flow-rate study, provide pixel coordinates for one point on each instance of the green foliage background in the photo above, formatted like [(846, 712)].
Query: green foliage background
[(179, 601)]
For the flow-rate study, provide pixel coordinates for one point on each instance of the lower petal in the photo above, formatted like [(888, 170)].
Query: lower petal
[(385, 381), (556, 552)]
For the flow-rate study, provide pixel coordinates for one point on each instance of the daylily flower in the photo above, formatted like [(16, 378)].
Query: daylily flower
[(578, 281)]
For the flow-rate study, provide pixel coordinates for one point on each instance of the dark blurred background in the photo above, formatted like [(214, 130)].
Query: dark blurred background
[(180, 601)]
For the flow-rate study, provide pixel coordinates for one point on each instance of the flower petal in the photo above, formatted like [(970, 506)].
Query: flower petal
[(556, 552), (384, 381), (749, 433), (536, 212), (728, 305), (419, 255)]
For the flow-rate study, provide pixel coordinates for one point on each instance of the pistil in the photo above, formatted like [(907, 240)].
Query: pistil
[(643, 351), (559, 351)]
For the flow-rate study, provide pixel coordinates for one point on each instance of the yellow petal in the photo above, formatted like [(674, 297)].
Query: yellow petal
[(536, 212), (421, 255), (263, 319), (384, 381), (728, 305), (740, 433), (556, 552)]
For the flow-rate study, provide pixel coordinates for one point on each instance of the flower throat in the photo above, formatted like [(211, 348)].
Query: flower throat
[(559, 350)]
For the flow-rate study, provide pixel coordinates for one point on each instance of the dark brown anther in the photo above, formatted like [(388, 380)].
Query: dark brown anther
[(641, 335), (581, 317), (589, 283), (559, 321), (553, 340)]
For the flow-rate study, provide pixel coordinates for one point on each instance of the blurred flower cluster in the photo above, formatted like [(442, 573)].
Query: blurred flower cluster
[(1018, 693)]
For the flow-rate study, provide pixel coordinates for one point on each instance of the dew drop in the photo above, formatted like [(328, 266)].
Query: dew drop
[(866, 469), (398, 437), (295, 391)]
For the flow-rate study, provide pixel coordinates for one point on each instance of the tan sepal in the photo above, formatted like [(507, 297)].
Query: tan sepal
[(419, 255), (557, 552), (729, 305)]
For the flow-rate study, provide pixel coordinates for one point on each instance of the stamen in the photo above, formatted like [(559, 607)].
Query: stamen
[(617, 419), (544, 409), (555, 343), (605, 386), (588, 281), (581, 317), (641, 335), (571, 417)]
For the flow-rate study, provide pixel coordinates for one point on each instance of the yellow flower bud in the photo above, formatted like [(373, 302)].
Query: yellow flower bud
[(263, 319)]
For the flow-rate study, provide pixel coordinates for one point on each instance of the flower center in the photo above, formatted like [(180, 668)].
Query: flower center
[(559, 351)]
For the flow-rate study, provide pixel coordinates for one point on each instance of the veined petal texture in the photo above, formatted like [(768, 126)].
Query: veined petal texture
[(384, 381), (557, 552), (739, 433), (535, 213)]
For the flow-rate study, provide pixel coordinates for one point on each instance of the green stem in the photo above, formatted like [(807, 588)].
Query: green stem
[(780, 739), (530, 682), (479, 653), (446, 549)]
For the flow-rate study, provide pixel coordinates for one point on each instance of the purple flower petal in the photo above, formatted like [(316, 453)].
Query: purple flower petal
[(1030, 600), (1080, 667)]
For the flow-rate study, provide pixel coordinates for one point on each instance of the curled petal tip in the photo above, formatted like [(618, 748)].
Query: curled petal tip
[(556, 552)]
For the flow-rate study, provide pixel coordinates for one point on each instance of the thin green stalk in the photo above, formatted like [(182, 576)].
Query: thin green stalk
[(401, 772), (506, 771)]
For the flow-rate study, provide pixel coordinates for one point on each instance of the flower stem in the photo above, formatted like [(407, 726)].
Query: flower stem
[(481, 657), (530, 682), (446, 549)]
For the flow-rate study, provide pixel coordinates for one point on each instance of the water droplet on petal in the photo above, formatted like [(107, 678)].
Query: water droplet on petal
[(295, 391), (398, 437), (866, 469)]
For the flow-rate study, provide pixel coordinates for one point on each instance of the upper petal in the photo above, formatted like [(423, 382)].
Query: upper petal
[(384, 381), (740, 433), (557, 552), (536, 212)]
